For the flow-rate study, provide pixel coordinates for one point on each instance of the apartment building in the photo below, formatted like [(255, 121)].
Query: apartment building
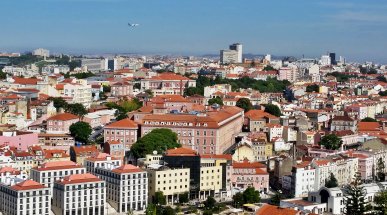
[(56, 141), (210, 133), (79, 194), (124, 131), (121, 89), (250, 174), (50, 172), (78, 154), (127, 187), (167, 83), (171, 181), (60, 123), (78, 92), (25, 198), (101, 160), (302, 179)]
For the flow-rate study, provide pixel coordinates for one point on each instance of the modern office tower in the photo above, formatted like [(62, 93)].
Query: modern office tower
[(332, 56), (79, 194), (237, 47), (27, 197)]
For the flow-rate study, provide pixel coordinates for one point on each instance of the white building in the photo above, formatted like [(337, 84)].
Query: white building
[(127, 187), (8, 175), (228, 56), (50, 172), (41, 52), (239, 49), (79, 194), (325, 60), (27, 197), (93, 65), (303, 179), (210, 90), (79, 92), (101, 160)]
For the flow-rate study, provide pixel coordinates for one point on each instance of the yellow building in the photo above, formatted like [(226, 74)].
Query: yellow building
[(172, 182)]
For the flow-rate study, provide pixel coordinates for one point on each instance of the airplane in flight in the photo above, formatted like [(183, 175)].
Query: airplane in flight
[(133, 25)]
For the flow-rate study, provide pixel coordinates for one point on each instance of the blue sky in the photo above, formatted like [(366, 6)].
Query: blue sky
[(355, 29)]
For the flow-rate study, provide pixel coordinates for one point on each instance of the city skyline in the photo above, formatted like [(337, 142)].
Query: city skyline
[(350, 28)]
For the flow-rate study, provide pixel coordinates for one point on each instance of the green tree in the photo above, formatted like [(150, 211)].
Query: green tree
[(250, 196), (151, 209), (268, 68), (209, 203), (184, 197), (106, 88), (191, 91), (168, 211), (331, 142), (159, 198), (272, 109), (3, 75), (383, 93), (369, 119), (276, 198), (59, 102), (149, 92), (380, 202), (76, 109), (207, 212), (355, 203), (382, 78), (123, 107), (216, 100), (238, 200), (312, 88), (158, 140), (81, 131), (137, 86), (331, 181), (380, 173), (245, 104)]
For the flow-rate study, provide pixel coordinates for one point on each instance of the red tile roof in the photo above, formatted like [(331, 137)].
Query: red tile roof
[(63, 117), (124, 123), (181, 152), (57, 165), (25, 81), (275, 210), (369, 126), (127, 168), (27, 185), (79, 179)]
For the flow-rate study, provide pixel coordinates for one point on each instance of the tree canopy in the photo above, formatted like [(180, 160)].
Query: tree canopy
[(380, 170), (216, 100), (209, 203), (158, 140), (2, 74), (123, 107), (76, 109), (249, 196), (59, 102), (380, 202), (355, 203), (272, 109), (369, 119), (331, 142), (245, 104), (159, 198), (331, 181), (312, 88), (81, 131)]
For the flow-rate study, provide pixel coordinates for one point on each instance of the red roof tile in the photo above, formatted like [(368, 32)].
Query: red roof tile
[(27, 185)]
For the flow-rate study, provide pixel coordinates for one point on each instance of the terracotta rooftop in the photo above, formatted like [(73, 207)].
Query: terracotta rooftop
[(127, 168), (63, 117), (27, 185), (275, 210), (181, 152), (369, 126), (124, 123), (247, 165), (79, 178), (57, 165)]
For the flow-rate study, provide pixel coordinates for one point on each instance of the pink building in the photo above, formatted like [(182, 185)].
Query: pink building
[(246, 174), (115, 149), (208, 133), (124, 131), (286, 73), (167, 83), (60, 123), (121, 89), (365, 164), (20, 140)]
